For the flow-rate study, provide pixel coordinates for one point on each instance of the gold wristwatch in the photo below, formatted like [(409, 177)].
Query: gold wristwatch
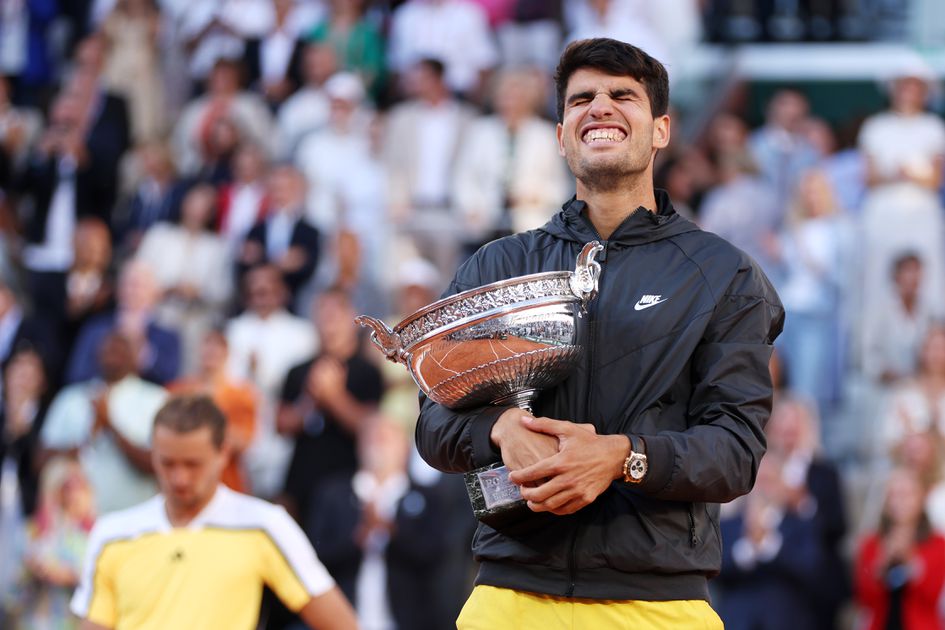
[(635, 466)]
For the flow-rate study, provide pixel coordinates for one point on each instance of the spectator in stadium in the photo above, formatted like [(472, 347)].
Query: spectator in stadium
[(236, 400), (285, 238), (357, 42), (349, 211), (383, 536), (242, 202), (192, 269), (780, 148), (814, 485), (66, 180), (273, 59), (331, 154), (422, 140), (621, 20), (307, 109), (532, 35), (107, 422), (816, 254), (905, 153), (155, 196), (325, 402), (917, 404), (900, 567), (771, 547), (923, 453), (742, 208), (265, 342), (506, 180), (216, 550), (20, 130), (132, 65), (26, 396), (86, 290), (453, 31), (22, 330), (156, 348), (888, 358), (225, 100), (55, 546)]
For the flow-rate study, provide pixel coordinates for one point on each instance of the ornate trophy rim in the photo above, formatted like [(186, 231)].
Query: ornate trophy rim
[(485, 289)]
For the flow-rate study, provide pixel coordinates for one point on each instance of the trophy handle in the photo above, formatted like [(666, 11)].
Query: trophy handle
[(583, 281), (384, 338)]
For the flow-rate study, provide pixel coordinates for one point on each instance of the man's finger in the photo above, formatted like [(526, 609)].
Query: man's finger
[(536, 472), (540, 493), (548, 426)]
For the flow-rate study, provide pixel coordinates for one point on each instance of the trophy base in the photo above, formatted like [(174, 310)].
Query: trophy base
[(495, 500)]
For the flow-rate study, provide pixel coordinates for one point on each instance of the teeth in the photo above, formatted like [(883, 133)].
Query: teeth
[(611, 135)]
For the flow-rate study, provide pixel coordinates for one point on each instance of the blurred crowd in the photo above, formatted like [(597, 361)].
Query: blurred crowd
[(200, 196)]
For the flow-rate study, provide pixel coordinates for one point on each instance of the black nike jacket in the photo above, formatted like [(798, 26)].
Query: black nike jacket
[(676, 349)]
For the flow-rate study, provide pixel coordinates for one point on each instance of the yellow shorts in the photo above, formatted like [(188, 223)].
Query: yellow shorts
[(492, 608)]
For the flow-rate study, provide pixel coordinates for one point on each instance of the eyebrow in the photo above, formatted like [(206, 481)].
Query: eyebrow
[(589, 95)]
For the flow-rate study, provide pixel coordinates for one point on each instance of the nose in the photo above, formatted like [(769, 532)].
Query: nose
[(601, 106)]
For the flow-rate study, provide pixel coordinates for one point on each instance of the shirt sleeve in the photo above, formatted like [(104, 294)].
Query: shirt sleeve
[(290, 566), (94, 598), (68, 420)]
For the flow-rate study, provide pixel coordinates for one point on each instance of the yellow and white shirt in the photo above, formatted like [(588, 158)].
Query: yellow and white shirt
[(142, 573)]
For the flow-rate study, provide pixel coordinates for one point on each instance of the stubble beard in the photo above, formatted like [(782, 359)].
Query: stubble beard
[(606, 176)]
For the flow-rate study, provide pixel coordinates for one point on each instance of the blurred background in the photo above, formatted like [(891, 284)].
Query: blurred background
[(200, 195)]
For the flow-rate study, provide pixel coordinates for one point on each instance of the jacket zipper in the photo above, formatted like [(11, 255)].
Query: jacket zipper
[(693, 538), (592, 342)]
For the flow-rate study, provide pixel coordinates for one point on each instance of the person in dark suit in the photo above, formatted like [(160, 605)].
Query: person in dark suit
[(770, 552), (26, 397), (71, 298), (384, 536), (284, 238), (273, 61), (74, 172), (21, 330), (157, 348), (814, 481)]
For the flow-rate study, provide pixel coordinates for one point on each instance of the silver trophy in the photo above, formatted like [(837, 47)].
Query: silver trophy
[(498, 344)]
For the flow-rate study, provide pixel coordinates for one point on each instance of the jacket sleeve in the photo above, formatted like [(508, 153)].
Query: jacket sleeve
[(716, 459)]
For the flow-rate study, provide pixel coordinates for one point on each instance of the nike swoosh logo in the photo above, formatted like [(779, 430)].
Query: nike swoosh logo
[(640, 307)]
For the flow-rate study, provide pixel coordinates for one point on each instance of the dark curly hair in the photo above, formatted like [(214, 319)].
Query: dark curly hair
[(618, 59)]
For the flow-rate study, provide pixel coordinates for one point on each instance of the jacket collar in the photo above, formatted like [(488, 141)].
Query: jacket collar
[(640, 226)]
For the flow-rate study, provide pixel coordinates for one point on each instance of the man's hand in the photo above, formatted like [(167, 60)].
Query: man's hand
[(327, 378), (520, 446), (583, 467)]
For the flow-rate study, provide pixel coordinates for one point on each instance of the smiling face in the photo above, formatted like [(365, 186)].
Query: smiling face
[(608, 133)]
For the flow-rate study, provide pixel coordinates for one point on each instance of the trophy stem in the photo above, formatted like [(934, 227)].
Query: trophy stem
[(522, 398)]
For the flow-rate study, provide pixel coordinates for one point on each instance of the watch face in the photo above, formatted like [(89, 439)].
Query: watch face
[(637, 468)]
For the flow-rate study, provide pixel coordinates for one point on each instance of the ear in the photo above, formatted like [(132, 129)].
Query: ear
[(559, 132), (661, 132)]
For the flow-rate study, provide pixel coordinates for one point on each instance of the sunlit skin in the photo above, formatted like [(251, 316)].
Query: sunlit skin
[(609, 137), (188, 467)]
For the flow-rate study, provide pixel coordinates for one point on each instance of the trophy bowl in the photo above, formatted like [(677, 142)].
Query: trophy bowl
[(497, 344)]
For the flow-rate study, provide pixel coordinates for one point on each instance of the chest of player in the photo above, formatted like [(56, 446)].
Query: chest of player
[(184, 568), (648, 294)]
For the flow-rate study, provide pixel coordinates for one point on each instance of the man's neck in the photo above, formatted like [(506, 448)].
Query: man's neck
[(180, 516), (608, 209)]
